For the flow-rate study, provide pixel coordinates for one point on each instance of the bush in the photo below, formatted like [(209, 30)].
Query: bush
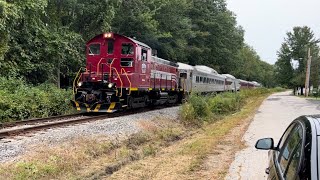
[(195, 111), (200, 109), (225, 104), (21, 101)]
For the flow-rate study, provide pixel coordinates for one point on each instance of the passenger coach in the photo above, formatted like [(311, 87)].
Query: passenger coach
[(200, 79)]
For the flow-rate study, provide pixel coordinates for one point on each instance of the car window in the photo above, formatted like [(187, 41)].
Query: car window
[(290, 151), (285, 136), (294, 162)]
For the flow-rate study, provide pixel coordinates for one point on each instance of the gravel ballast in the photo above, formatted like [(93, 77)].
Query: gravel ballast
[(113, 128)]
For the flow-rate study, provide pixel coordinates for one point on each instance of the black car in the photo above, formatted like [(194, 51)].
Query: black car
[(297, 155)]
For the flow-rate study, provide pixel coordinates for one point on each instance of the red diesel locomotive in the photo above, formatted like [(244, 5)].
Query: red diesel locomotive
[(122, 73)]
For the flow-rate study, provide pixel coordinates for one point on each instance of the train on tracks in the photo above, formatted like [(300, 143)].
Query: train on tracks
[(122, 73)]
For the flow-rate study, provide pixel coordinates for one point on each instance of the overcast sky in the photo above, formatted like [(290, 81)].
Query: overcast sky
[(267, 21)]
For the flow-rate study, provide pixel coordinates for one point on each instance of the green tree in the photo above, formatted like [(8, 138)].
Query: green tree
[(44, 40), (136, 19), (174, 29), (284, 69), (295, 49), (38, 43), (216, 38), (249, 66)]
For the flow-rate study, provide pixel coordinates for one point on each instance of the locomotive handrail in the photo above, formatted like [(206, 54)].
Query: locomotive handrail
[(74, 81), (98, 65), (110, 65), (111, 68), (120, 80), (126, 74)]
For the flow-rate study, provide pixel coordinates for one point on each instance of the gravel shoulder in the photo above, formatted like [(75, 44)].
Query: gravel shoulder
[(114, 128), (271, 120)]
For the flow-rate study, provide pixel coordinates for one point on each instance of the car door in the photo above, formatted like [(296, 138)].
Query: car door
[(287, 160)]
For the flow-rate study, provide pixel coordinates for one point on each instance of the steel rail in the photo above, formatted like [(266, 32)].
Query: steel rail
[(10, 132), (38, 120)]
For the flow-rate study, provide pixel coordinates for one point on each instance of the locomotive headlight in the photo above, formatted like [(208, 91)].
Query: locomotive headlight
[(108, 35), (80, 84), (110, 85)]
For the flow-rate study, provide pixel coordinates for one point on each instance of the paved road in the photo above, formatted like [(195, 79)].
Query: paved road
[(272, 118)]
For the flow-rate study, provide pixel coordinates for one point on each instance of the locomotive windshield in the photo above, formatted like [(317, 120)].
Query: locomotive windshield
[(110, 46), (94, 49), (127, 49)]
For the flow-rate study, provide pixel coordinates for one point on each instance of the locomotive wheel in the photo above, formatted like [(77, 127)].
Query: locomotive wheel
[(130, 102), (146, 100), (176, 98)]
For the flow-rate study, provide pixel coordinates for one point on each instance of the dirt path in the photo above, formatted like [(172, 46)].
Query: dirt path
[(274, 115)]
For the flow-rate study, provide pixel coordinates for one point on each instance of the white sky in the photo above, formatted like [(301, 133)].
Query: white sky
[(267, 21)]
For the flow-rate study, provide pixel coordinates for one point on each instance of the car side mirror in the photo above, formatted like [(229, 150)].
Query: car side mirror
[(265, 144)]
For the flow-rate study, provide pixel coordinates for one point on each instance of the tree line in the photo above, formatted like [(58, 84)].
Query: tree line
[(291, 65), (44, 40)]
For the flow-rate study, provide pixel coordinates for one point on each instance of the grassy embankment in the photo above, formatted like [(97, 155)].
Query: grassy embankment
[(22, 101), (164, 150)]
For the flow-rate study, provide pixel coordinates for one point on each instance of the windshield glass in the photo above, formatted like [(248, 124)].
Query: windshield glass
[(127, 48), (94, 49)]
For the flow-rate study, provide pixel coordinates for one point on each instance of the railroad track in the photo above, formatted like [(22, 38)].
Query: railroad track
[(20, 127), (38, 120), (25, 126)]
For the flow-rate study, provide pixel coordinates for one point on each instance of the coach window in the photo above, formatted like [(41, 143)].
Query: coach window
[(127, 48), (183, 75), (94, 49), (110, 46), (197, 79)]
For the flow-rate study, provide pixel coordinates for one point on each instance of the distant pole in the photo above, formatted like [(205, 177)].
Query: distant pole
[(308, 74)]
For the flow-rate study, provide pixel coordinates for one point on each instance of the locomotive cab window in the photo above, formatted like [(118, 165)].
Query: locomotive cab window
[(110, 46), (126, 62), (94, 49), (127, 49), (143, 55)]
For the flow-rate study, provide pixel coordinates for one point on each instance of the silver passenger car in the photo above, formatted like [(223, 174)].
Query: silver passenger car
[(200, 79), (232, 83)]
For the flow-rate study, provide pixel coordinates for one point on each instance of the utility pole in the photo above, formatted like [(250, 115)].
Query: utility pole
[(308, 74)]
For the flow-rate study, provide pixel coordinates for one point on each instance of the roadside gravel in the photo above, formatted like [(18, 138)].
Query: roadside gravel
[(113, 128)]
